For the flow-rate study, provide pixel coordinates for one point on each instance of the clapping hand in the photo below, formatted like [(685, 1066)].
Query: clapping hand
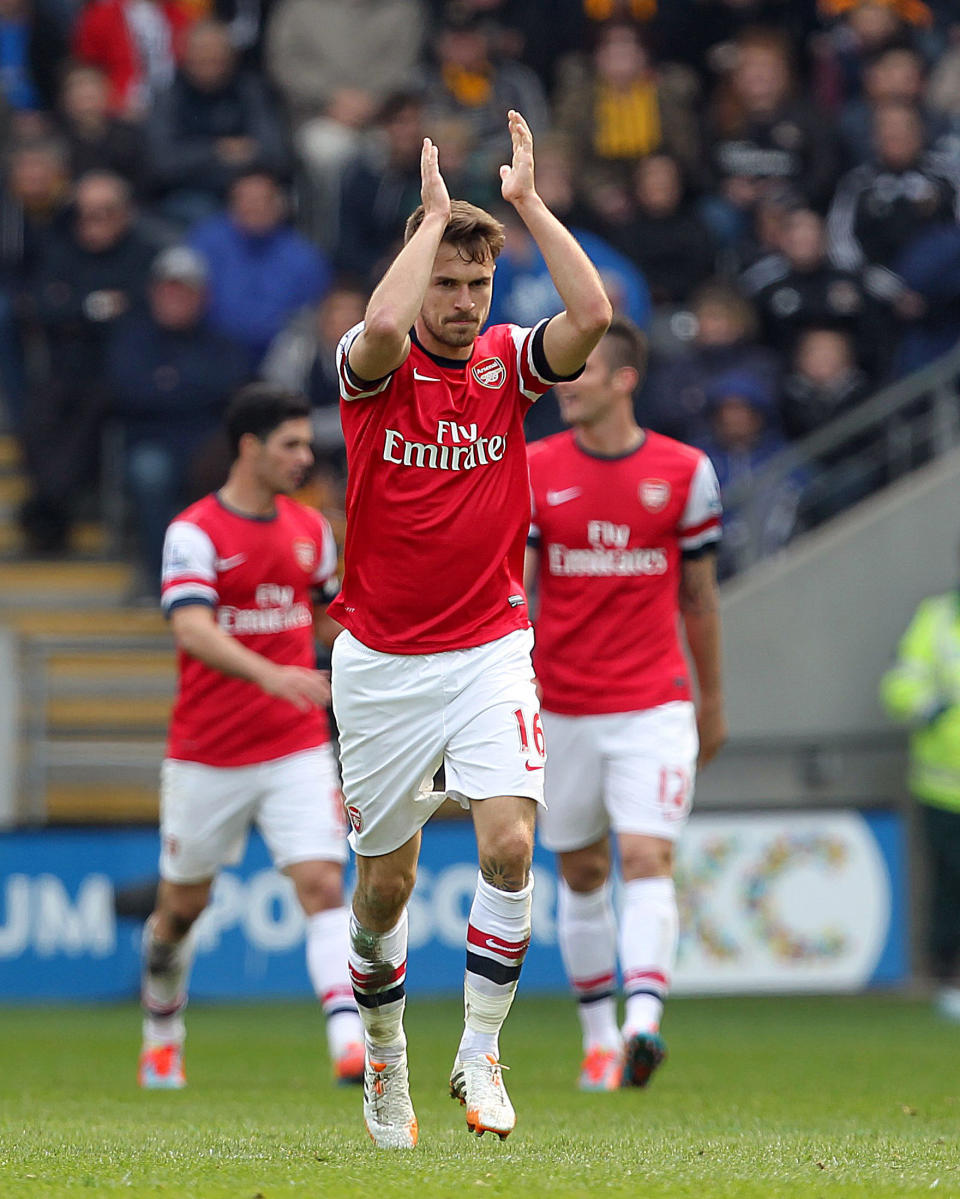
[(516, 180)]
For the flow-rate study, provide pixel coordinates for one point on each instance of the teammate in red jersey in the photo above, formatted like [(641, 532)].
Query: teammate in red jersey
[(434, 665), (625, 525), (248, 738)]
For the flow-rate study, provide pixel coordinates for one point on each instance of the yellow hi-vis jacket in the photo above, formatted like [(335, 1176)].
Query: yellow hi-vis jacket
[(922, 690)]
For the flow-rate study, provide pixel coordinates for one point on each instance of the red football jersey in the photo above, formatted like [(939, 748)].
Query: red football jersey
[(611, 533), (257, 574), (438, 505)]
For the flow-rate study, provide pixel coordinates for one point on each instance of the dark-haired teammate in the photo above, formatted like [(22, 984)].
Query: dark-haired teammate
[(625, 526), (248, 740), (435, 663)]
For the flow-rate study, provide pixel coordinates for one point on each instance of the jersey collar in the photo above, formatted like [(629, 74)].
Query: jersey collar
[(611, 457), (262, 520), (450, 364)]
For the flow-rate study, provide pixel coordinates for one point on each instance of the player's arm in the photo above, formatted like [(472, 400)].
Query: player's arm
[(531, 572), (197, 633), (326, 629), (396, 301), (571, 335), (700, 613)]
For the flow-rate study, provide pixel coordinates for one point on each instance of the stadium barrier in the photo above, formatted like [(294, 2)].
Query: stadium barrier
[(776, 901)]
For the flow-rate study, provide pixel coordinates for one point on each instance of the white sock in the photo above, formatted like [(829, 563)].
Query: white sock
[(649, 931), (378, 972), (165, 970), (587, 933), (498, 933), (328, 946)]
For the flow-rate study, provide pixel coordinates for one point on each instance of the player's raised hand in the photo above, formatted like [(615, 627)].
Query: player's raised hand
[(516, 180), (433, 190), (298, 685)]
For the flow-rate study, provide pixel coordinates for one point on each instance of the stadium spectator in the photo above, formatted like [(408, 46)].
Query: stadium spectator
[(624, 107), (423, 341), (929, 266), (136, 43), (472, 82), (261, 270), (249, 741), (665, 236), (333, 65), (760, 133), (922, 692), (943, 87), (89, 276), (214, 120), (96, 139), (857, 32), (33, 209), (744, 436), (303, 358), (617, 694), (798, 288), (379, 187), (825, 382), (897, 72), (32, 51), (169, 377), (882, 206), (674, 400), (519, 30), (523, 290)]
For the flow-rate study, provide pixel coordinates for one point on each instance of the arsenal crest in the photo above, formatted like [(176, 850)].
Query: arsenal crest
[(356, 819), (305, 553), (654, 494), (490, 373)]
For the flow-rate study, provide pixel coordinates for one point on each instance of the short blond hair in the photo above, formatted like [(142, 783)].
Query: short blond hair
[(477, 235)]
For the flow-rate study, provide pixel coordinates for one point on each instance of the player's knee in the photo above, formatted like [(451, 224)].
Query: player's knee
[(320, 892), (179, 916), (652, 860), (506, 856), (379, 902), (585, 875)]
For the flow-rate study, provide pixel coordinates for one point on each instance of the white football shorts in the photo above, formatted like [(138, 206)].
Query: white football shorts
[(401, 715), (206, 813), (629, 772)]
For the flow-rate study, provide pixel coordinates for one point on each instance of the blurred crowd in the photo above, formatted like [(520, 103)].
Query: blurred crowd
[(200, 192)]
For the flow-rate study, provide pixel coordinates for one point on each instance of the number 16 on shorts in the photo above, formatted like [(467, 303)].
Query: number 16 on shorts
[(532, 741)]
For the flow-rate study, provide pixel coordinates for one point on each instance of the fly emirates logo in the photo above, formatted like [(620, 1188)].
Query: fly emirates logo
[(458, 447), (609, 554), (275, 613)]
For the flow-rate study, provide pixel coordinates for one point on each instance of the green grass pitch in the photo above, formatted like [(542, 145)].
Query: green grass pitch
[(759, 1098)]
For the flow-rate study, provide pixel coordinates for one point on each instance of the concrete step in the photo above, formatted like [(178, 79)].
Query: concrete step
[(87, 539), (108, 714), (33, 584), (66, 621), (14, 488), (10, 456), (100, 802), (126, 670)]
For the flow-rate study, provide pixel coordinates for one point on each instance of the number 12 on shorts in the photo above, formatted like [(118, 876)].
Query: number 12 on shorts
[(539, 742)]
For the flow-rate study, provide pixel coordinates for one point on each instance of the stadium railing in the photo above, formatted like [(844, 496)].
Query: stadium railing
[(906, 424)]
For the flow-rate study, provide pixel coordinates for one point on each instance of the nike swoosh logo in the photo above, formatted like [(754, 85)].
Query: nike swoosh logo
[(425, 378), (224, 564), (510, 951), (529, 767), (562, 497)]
